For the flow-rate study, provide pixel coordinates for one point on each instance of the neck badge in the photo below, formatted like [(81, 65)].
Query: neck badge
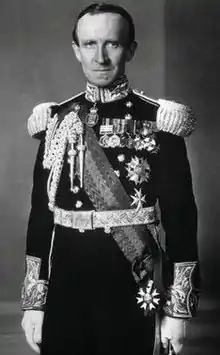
[(92, 117)]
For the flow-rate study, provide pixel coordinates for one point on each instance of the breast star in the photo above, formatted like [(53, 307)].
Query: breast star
[(138, 170)]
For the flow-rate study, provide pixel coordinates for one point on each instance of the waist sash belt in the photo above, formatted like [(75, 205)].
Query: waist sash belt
[(89, 220)]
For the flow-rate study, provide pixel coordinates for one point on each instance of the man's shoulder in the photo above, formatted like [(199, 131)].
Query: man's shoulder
[(143, 98), (69, 104), (145, 107), (170, 116)]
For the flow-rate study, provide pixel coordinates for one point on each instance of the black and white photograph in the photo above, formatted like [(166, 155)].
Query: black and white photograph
[(109, 171)]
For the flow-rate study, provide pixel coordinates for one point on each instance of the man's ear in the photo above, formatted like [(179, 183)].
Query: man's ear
[(131, 51), (76, 51)]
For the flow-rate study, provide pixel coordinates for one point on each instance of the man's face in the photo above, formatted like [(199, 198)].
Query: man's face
[(103, 47)]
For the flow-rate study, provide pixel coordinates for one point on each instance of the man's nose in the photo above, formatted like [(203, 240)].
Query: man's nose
[(101, 55)]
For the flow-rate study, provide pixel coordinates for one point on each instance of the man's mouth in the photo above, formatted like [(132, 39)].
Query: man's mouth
[(102, 69)]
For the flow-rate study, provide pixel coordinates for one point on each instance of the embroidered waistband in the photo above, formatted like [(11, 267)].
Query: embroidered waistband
[(88, 220)]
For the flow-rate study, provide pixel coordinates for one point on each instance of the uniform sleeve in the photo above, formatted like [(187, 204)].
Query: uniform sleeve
[(38, 241), (179, 220)]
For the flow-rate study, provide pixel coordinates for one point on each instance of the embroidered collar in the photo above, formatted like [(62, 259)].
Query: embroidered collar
[(117, 91)]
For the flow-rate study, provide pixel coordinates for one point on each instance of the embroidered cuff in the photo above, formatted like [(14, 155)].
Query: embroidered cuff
[(182, 296), (34, 291), (175, 118)]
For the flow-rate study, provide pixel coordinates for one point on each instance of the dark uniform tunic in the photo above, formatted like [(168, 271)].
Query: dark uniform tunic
[(91, 305)]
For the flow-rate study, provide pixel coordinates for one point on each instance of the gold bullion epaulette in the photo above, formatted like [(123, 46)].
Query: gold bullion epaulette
[(171, 116), (38, 120)]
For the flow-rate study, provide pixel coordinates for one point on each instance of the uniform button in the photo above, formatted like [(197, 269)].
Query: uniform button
[(77, 107), (78, 204), (75, 189), (121, 158), (128, 116), (129, 104)]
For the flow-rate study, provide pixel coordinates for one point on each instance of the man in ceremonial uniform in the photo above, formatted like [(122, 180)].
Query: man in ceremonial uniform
[(97, 281)]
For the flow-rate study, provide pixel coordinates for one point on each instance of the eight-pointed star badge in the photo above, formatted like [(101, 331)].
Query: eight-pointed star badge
[(138, 170)]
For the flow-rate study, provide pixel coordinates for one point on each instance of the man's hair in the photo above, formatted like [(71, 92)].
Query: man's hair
[(99, 8)]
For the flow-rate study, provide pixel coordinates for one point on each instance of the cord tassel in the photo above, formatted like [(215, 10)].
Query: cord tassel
[(81, 148), (72, 157)]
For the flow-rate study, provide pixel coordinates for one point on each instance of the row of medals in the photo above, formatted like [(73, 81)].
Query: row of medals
[(117, 132)]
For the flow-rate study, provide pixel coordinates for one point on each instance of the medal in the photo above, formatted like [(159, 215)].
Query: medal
[(92, 117), (103, 141), (138, 170), (114, 141)]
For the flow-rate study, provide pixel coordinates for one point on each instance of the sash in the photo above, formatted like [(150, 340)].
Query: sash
[(106, 192), (137, 243)]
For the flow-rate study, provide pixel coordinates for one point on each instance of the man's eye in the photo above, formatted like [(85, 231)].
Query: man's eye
[(89, 44), (113, 44)]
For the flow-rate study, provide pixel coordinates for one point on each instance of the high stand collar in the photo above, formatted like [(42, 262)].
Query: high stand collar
[(118, 90)]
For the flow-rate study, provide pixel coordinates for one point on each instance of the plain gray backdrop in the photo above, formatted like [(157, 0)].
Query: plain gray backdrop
[(177, 58)]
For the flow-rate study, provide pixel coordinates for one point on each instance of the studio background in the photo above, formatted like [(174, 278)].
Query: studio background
[(178, 58)]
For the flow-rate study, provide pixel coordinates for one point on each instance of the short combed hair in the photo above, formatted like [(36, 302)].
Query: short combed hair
[(99, 8)]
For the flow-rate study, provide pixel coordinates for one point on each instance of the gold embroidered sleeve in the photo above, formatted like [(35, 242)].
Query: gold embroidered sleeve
[(34, 291), (182, 296)]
